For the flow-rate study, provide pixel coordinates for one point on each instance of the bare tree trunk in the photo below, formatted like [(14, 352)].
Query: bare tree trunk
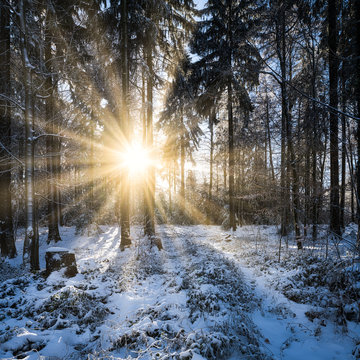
[(315, 130), (281, 51), (322, 172), (125, 185), (91, 165), (295, 186), (295, 179), (30, 236), (169, 190), (58, 174), (211, 127), (217, 180), (150, 184), (315, 195), (343, 156), (225, 172), (34, 257), (230, 121), (352, 175), (357, 12), (53, 233), (269, 138), (307, 183), (182, 172), (334, 151), (7, 240), (231, 159)]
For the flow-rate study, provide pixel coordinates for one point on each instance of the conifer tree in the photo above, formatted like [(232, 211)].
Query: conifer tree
[(179, 119), (228, 62), (7, 241)]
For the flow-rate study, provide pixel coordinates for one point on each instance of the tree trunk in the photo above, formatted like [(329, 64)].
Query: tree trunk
[(269, 138), (217, 180), (230, 121), (334, 151), (281, 51), (182, 172), (322, 172), (150, 183), (314, 140), (91, 164), (295, 179), (34, 257), (307, 176), (169, 190), (7, 240), (352, 176), (125, 185), (58, 174), (211, 127), (53, 233), (231, 158), (357, 12), (225, 172), (295, 184), (30, 236), (343, 156)]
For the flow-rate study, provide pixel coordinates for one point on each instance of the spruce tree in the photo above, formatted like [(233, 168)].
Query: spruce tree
[(228, 62), (7, 241)]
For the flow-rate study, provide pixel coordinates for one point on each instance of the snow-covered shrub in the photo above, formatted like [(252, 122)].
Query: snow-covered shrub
[(69, 306)]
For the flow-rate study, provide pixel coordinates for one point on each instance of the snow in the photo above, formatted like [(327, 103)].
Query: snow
[(210, 294), (57, 249)]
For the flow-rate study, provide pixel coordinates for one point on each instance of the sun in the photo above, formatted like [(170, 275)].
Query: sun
[(135, 159)]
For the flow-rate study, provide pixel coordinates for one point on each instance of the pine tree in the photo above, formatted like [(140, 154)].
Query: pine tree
[(357, 31), (228, 62), (125, 126), (179, 120), (31, 243), (7, 241), (333, 127), (51, 163), (166, 26)]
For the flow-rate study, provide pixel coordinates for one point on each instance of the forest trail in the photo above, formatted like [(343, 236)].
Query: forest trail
[(190, 301)]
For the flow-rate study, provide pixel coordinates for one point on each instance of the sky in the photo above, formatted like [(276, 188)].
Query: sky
[(200, 3)]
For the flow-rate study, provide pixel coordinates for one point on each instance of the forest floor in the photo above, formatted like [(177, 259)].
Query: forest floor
[(210, 294)]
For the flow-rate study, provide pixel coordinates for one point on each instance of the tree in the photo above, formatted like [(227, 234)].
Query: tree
[(31, 243), (7, 241), (179, 119), (333, 127), (52, 165), (166, 26), (357, 31), (228, 63), (125, 193)]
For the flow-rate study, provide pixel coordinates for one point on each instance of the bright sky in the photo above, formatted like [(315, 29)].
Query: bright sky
[(200, 3)]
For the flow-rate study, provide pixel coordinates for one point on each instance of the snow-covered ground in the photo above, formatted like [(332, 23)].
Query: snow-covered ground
[(209, 294)]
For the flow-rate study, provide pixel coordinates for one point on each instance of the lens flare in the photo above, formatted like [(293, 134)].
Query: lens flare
[(135, 159)]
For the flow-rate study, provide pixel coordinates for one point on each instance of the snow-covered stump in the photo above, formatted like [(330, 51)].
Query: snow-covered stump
[(57, 258)]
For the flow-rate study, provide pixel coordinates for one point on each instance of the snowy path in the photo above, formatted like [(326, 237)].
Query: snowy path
[(199, 298), (289, 334), (185, 301)]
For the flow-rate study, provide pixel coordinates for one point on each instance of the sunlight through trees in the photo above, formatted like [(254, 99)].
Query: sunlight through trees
[(150, 112)]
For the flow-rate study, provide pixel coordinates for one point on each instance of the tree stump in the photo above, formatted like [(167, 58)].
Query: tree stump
[(57, 258), (157, 242)]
